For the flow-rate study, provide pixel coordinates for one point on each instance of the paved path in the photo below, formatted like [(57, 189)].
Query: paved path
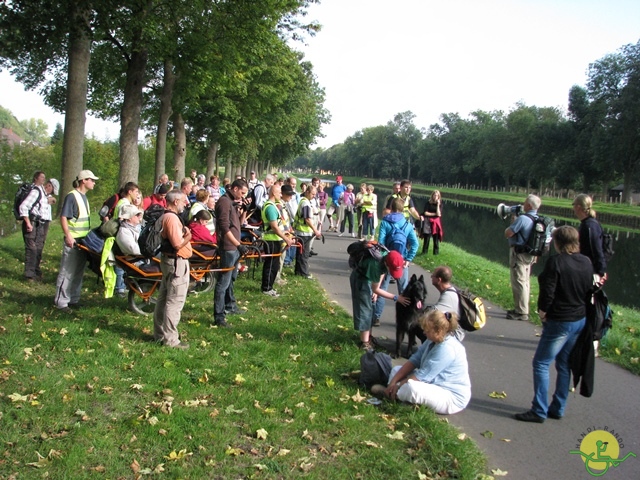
[(500, 360)]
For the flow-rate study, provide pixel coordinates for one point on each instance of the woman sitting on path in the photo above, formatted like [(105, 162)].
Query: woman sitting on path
[(437, 375)]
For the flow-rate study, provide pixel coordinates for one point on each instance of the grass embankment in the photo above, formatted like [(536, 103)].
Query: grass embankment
[(490, 281), (91, 395)]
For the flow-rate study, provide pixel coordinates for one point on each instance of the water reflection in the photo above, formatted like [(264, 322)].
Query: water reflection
[(478, 230)]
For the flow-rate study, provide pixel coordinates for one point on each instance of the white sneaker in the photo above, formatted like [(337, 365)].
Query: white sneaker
[(341, 234), (353, 235), (271, 293)]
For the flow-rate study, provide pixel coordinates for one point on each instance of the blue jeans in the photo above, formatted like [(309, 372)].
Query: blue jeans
[(223, 296), (556, 342), (120, 285), (402, 283)]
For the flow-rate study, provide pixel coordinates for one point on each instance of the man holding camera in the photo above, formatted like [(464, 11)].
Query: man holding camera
[(230, 249), (520, 262)]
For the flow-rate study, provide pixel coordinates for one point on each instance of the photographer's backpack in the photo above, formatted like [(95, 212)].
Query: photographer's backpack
[(540, 237)]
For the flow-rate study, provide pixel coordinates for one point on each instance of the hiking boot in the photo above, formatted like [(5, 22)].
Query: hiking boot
[(222, 324), (271, 293), (180, 346), (375, 322), (378, 390), (366, 346), (529, 416), (518, 316), (66, 310)]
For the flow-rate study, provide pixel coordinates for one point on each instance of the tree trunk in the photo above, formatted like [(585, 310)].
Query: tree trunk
[(163, 119), (180, 150), (130, 117), (76, 101), (212, 158), (227, 168)]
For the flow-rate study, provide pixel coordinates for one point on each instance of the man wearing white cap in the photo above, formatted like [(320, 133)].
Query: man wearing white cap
[(75, 223)]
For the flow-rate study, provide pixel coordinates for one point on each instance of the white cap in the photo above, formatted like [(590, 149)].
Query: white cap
[(56, 185), (128, 211)]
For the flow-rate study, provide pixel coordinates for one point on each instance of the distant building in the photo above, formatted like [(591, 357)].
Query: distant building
[(7, 135)]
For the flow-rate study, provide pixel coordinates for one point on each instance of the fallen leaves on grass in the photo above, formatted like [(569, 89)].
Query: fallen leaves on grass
[(262, 434), (175, 456), (397, 435), (369, 443), (499, 473), (239, 379)]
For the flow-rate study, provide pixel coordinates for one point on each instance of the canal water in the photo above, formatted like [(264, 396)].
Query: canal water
[(478, 230)]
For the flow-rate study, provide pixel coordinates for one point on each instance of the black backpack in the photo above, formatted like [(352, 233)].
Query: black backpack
[(109, 205), (360, 250), (21, 194), (540, 237), (150, 240), (375, 368)]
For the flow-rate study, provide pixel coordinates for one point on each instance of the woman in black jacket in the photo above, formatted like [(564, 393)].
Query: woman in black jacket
[(590, 233), (564, 287)]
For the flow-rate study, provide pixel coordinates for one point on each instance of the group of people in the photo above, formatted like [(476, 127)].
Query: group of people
[(437, 373), (566, 284)]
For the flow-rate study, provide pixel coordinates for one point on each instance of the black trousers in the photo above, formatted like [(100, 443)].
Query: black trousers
[(271, 264)]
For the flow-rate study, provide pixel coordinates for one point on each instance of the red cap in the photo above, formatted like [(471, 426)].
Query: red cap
[(395, 264)]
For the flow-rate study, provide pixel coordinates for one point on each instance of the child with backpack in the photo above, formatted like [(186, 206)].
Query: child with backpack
[(397, 234)]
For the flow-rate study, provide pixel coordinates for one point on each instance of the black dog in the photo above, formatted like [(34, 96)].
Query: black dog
[(407, 317)]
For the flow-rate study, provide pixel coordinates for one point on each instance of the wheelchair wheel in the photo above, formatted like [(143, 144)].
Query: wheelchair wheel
[(143, 296), (206, 284)]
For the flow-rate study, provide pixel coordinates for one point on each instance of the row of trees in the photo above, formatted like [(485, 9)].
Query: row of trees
[(596, 144), (218, 75)]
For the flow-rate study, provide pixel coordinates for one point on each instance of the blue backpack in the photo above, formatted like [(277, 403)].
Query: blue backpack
[(397, 239)]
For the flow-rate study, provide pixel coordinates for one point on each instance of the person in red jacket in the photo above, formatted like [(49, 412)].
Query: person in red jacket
[(199, 230)]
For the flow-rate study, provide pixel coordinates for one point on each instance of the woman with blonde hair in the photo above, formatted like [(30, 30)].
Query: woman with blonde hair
[(437, 375), (590, 234)]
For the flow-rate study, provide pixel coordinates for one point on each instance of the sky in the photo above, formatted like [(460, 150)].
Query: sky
[(377, 58)]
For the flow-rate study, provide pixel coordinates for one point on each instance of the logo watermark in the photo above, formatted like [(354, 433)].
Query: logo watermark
[(600, 449)]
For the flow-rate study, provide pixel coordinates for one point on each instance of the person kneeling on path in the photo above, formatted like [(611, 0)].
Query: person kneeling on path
[(365, 289), (437, 375), (565, 282), (176, 251)]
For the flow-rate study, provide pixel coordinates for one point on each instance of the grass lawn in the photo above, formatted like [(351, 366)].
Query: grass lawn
[(490, 280), (90, 395)]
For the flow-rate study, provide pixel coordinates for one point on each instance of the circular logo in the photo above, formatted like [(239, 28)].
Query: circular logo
[(600, 448)]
